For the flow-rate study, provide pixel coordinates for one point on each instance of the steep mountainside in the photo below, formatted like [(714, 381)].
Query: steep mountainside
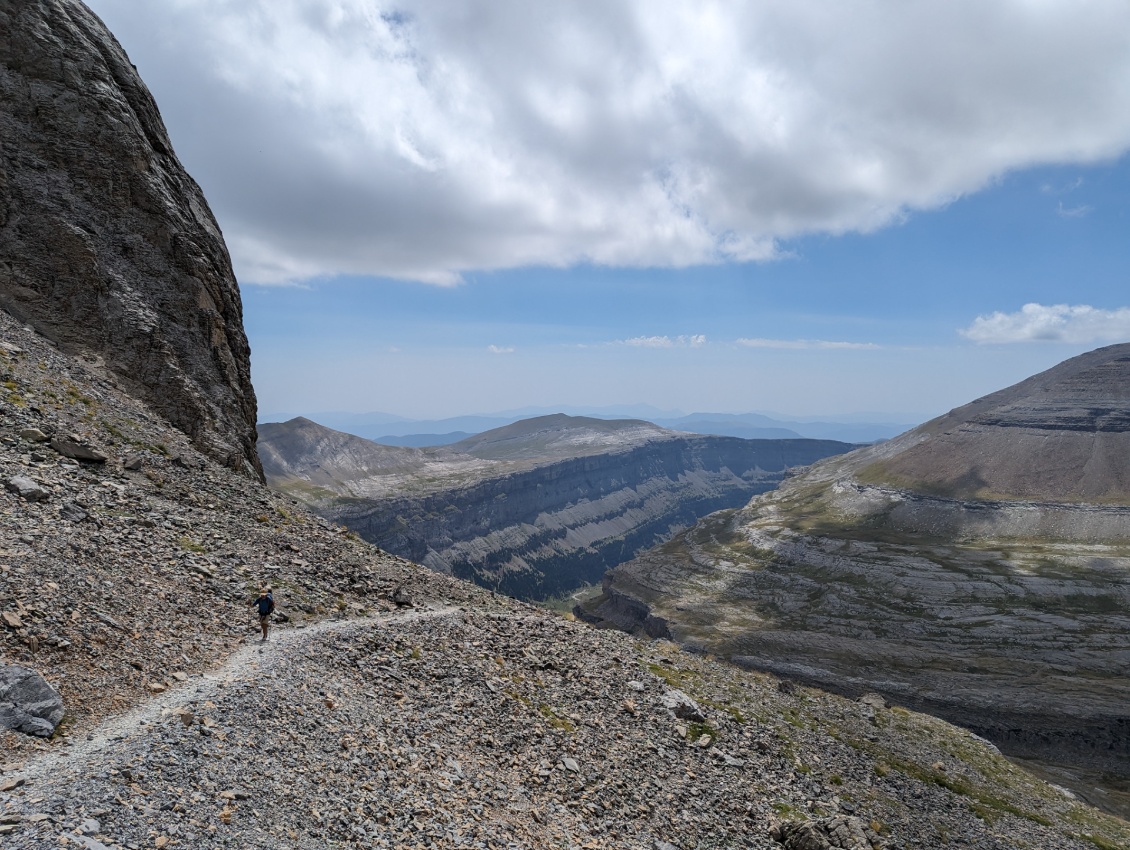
[(107, 246), (1061, 436), (1010, 615), (522, 520), (312, 462), (400, 707)]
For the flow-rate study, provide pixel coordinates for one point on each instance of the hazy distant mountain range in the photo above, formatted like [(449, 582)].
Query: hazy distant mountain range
[(393, 430)]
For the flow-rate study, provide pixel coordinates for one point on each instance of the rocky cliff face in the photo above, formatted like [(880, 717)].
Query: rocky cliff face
[(514, 516), (1006, 614), (542, 532), (107, 246)]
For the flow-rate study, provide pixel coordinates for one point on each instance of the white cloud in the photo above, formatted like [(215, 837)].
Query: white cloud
[(427, 138), (1073, 212), (497, 349), (806, 344), (1080, 324), (1064, 189), (692, 341)]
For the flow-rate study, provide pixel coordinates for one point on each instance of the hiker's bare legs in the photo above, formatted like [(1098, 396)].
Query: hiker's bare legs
[(265, 624)]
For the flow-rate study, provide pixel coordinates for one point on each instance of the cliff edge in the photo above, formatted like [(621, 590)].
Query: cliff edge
[(107, 246)]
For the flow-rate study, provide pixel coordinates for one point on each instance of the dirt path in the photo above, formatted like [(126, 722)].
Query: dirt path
[(246, 663)]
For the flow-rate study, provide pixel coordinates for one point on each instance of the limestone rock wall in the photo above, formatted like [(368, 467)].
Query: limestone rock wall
[(547, 530), (107, 246)]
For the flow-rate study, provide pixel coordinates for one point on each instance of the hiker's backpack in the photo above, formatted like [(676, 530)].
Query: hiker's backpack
[(270, 603)]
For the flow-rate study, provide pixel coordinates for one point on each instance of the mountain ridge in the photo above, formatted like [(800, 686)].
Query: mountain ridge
[(531, 509), (851, 429), (1006, 614)]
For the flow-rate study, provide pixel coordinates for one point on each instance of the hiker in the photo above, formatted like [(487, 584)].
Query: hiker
[(266, 604)]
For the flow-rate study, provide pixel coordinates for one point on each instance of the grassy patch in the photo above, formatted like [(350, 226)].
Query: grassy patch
[(556, 720), (668, 674), (788, 811), (190, 545), (1100, 842)]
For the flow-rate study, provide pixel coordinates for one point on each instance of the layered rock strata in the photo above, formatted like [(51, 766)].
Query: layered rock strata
[(977, 567), (525, 528), (107, 246)]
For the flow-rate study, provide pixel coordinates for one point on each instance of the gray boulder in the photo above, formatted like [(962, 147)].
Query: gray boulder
[(28, 703), (23, 486), (78, 451), (682, 706), (840, 832)]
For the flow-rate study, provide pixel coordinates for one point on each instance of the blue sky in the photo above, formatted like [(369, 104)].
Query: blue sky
[(437, 209)]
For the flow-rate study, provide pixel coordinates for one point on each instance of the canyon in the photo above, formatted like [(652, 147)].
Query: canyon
[(393, 705), (534, 509)]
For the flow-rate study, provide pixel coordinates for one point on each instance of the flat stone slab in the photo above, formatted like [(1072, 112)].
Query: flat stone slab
[(77, 451)]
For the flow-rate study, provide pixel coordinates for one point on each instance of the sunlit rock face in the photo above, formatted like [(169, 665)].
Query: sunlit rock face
[(1060, 436), (107, 246)]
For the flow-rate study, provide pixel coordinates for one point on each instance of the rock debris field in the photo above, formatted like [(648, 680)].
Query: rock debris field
[(393, 706)]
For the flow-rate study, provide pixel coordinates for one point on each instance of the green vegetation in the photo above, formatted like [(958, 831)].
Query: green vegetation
[(556, 720), (190, 545), (565, 602), (696, 730), (668, 674), (111, 429), (1101, 843), (787, 811)]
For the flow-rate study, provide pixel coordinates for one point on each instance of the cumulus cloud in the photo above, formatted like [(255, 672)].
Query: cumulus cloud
[(1080, 324), (692, 341), (498, 349), (797, 344), (423, 138)]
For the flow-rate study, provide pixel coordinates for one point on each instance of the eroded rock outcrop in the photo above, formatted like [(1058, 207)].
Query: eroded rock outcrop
[(107, 246), (1060, 436)]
